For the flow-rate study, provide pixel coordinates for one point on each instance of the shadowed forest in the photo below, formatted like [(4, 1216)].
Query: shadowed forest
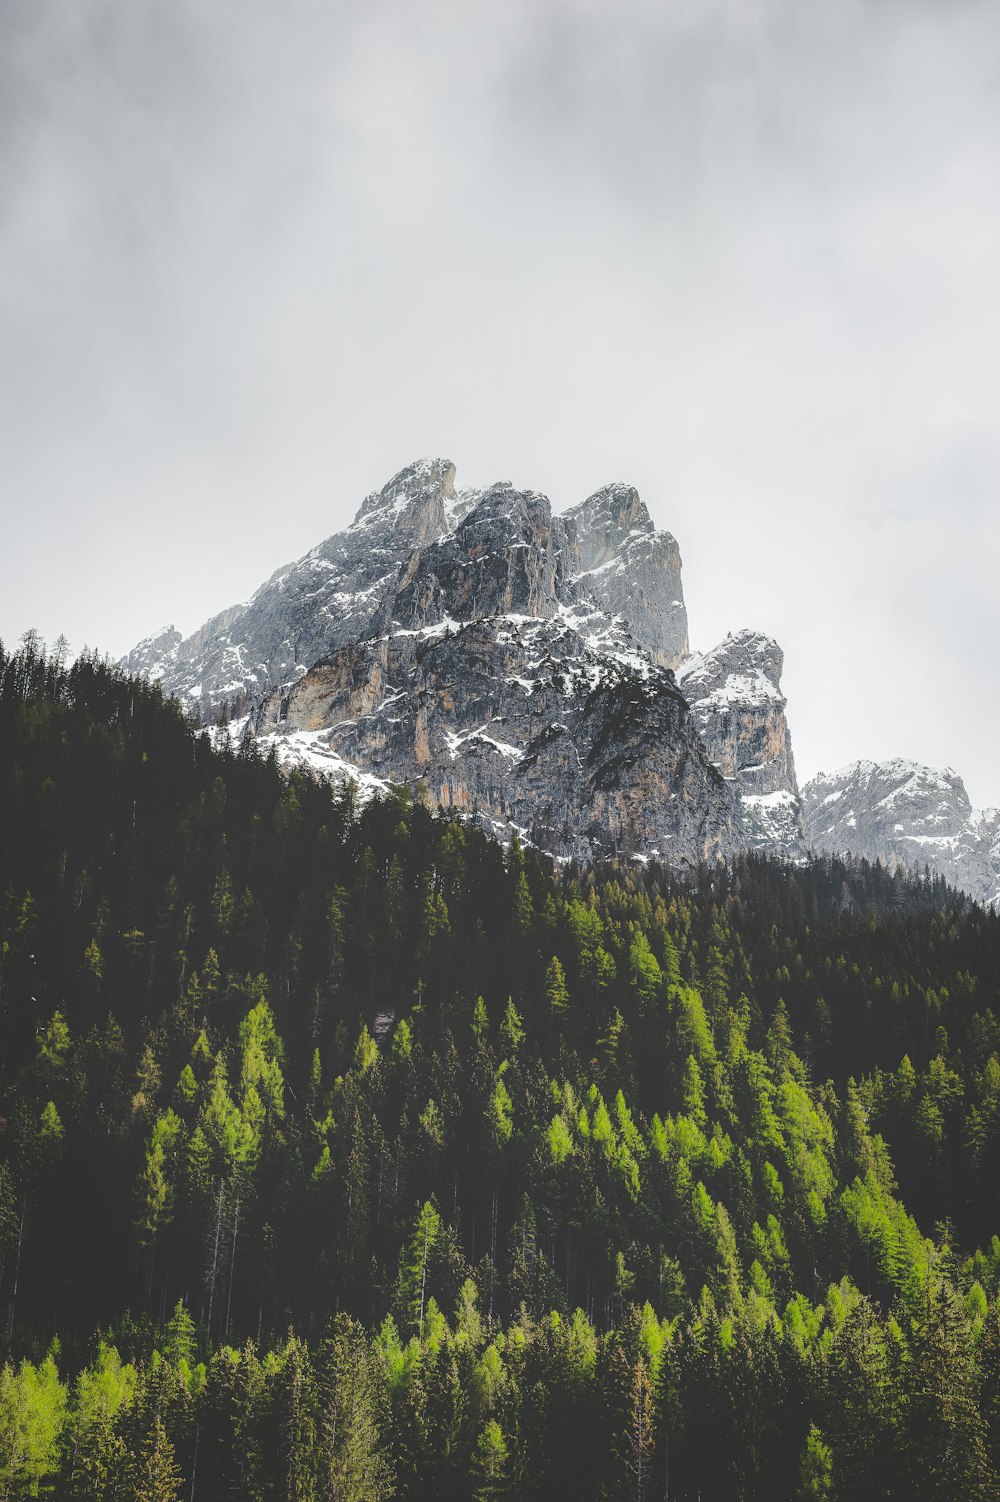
[(345, 1153)]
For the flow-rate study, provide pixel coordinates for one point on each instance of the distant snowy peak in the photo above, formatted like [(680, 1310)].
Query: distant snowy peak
[(934, 802), (904, 814)]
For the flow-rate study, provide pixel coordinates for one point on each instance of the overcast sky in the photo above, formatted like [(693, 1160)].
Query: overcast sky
[(256, 255)]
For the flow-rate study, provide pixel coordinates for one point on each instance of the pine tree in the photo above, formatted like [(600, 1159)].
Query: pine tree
[(556, 991), (815, 1469), (488, 1471), (641, 1431), (943, 1433), (157, 1477), (353, 1464), (413, 1267)]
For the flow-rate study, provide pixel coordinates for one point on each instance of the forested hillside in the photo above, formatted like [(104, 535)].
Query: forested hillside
[(347, 1154)]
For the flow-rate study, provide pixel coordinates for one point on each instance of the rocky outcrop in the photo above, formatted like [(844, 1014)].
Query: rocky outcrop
[(616, 560), (499, 560), (147, 657), (736, 701), (519, 724), (903, 814)]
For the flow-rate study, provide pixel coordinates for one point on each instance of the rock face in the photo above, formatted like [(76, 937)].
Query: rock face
[(616, 558), (493, 676), (736, 701), (516, 721), (517, 664), (907, 815)]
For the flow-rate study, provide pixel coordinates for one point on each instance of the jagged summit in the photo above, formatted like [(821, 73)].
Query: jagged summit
[(516, 662), (402, 556), (604, 520), (500, 559), (415, 500), (615, 557)]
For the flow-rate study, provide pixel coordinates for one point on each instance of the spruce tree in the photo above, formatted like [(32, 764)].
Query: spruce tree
[(157, 1478)]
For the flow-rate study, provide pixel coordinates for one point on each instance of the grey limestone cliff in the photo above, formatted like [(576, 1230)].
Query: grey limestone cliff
[(514, 699), (615, 558), (736, 701), (516, 721)]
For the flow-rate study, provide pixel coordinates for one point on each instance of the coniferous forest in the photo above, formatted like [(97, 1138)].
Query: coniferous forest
[(347, 1153)]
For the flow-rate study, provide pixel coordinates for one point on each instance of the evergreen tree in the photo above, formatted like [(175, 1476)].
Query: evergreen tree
[(353, 1465), (157, 1477)]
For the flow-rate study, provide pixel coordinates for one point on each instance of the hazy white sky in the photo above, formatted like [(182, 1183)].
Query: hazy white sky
[(256, 255)]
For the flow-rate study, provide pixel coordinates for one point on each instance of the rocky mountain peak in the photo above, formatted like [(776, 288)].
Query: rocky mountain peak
[(414, 502), (514, 662), (613, 557), (500, 560), (505, 517), (604, 521)]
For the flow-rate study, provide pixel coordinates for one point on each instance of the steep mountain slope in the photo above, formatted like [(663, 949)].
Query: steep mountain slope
[(904, 814), (519, 664)]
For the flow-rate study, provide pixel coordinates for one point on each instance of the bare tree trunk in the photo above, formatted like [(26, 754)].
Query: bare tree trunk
[(493, 1247), (215, 1259), (17, 1269), (232, 1264), (423, 1279)]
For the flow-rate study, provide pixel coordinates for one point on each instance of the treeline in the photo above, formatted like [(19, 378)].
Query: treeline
[(345, 1153), (827, 1401)]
